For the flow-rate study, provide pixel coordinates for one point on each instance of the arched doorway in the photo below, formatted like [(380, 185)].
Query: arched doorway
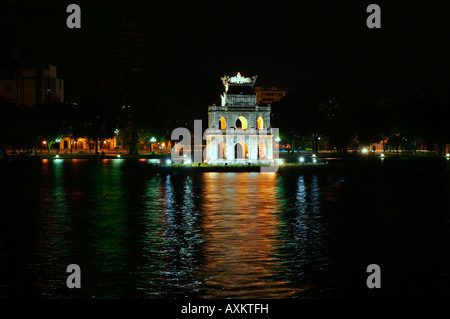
[(242, 123), (66, 144), (241, 150), (221, 150)]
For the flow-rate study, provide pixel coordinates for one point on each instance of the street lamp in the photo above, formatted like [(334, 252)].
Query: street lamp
[(152, 140)]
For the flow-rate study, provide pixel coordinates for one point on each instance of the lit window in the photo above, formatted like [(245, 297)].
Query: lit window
[(222, 123), (260, 123), (241, 122)]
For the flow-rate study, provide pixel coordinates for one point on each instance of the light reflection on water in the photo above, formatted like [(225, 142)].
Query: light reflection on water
[(52, 244), (241, 229), (211, 235)]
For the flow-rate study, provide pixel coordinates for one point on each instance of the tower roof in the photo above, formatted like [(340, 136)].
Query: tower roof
[(238, 80)]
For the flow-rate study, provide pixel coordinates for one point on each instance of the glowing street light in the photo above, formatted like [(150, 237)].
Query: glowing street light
[(301, 159), (118, 155), (57, 156), (447, 155), (168, 162), (44, 142), (364, 151), (152, 141), (382, 155)]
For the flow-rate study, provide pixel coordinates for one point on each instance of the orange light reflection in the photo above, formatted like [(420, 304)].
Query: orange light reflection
[(241, 227)]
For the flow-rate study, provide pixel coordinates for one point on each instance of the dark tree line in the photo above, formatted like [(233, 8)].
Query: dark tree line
[(23, 128), (143, 111), (339, 122)]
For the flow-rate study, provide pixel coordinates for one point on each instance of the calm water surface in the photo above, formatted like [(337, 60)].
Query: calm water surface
[(224, 235)]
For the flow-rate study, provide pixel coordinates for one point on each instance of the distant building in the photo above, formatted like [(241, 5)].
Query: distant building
[(269, 95), (31, 86), (239, 129), (84, 144), (122, 54)]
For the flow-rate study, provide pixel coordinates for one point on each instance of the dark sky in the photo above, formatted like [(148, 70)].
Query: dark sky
[(289, 44)]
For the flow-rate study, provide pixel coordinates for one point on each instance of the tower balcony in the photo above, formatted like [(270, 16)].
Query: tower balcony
[(238, 131), (226, 108)]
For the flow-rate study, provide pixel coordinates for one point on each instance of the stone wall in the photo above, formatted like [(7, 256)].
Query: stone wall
[(231, 115)]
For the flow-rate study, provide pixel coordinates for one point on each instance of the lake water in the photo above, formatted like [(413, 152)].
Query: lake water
[(224, 235)]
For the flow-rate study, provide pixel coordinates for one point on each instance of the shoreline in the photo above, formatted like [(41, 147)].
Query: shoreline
[(325, 162), (168, 156)]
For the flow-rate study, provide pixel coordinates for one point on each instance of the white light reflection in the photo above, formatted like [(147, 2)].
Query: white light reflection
[(309, 232), (179, 234)]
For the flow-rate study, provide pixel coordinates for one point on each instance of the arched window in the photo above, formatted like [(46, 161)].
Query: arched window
[(222, 123), (221, 150), (241, 150), (260, 123), (241, 122)]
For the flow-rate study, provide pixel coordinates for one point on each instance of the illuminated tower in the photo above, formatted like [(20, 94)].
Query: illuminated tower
[(239, 129)]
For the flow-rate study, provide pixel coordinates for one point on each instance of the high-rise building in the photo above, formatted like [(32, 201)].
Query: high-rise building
[(122, 55), (31, 86)]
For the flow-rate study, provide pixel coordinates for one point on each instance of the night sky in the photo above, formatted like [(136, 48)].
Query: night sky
[(293, 45)]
